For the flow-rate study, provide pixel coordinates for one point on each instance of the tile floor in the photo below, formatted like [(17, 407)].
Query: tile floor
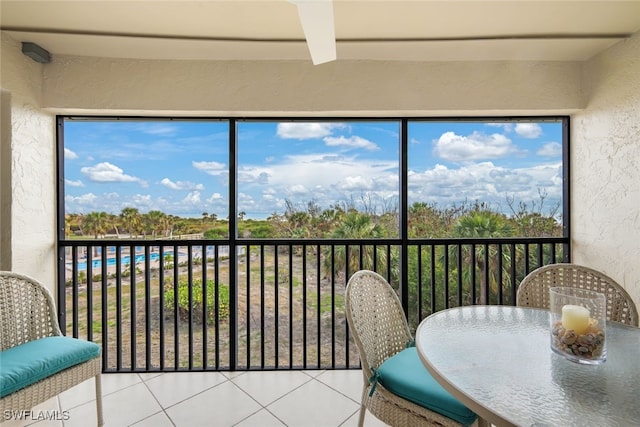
[(243, 399)]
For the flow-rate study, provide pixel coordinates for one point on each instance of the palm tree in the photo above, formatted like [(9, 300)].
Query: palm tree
[(355, 225), (73, 223), (113, 220), (328, 219), (166, 224), (154, 221), (97, 224), (131, 220), (481, 224)]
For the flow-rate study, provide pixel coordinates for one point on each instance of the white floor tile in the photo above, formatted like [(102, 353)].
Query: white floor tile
[(115, 382), (121, 408), (148, 375), (222, 405), (347, 382), (314, 404), (78, 395), (369, 421), (170, 389), (313, 372), (86, 391), (158, 420), (46, 414), (262, 418), (322, 398), (268, 386), (233, 374)]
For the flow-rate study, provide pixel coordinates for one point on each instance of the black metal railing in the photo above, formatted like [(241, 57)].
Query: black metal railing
[(171, 305)]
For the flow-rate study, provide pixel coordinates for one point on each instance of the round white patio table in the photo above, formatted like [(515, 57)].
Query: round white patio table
[(497, 360)]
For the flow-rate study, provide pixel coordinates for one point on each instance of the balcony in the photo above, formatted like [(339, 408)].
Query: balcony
[(595, 85), (284, 377)]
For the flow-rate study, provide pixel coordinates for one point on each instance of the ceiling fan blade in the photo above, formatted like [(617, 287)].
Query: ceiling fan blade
[(316, 17)]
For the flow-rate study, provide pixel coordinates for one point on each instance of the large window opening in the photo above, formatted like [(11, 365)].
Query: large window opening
[(152, 178), (226, 244)]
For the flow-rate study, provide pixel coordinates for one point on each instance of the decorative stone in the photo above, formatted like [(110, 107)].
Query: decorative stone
[(588, 345)]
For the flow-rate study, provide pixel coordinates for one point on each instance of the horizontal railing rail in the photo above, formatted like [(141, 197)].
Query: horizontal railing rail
[(193, 305)]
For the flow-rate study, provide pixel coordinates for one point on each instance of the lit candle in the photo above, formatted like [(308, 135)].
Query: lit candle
[(575, 317)]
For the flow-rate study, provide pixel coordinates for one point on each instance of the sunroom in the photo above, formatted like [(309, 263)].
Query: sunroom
[(574, 61)]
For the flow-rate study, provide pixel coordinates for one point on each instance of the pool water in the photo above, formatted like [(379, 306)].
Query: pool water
[(124, 261)]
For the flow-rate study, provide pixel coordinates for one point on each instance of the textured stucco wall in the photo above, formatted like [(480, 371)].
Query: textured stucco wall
[(5, 180), (605, 153), (31, 160)]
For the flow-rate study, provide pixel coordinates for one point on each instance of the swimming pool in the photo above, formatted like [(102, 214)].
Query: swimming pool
[(124, 261)]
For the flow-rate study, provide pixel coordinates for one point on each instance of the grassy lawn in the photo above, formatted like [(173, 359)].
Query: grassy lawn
[(298, 314)]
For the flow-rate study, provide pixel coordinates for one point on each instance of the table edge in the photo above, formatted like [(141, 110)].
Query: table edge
[(482, 411)]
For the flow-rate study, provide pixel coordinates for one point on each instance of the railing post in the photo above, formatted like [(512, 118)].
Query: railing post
[(233, 249), (404, 217)]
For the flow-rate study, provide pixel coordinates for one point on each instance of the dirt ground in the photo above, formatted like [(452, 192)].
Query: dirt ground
[(303, 327)]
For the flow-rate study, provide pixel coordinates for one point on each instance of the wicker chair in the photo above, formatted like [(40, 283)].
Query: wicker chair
[(534, 289), (380, 330), (28, 319)]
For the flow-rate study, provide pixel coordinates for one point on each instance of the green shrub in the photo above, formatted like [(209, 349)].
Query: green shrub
[(196, 300)]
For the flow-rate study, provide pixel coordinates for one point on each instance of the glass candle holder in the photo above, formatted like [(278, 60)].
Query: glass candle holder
[(578, 322)]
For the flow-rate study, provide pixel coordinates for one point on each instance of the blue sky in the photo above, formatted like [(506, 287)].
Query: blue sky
[(181, 167)]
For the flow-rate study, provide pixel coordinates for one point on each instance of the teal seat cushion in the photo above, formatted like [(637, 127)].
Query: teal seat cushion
[(30, 362), (404, 375)]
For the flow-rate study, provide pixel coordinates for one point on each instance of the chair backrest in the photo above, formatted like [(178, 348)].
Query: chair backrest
[(534, 289), (376, 319), (27, 311)]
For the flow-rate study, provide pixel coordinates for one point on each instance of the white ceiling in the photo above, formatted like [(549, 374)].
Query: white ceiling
[(428, 30)]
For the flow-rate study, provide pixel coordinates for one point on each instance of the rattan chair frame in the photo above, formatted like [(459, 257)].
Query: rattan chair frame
[(534, 289), (380, 330), (27, 313)]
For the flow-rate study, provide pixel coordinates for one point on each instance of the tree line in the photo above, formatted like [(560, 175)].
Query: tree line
[(425, 220)]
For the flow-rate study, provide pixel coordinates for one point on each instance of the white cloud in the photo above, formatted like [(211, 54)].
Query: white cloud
[(215, 197), (181, 185), (325, 179), (528, 130), (107, 172), (158, 128), (69, 155), (193, 198), (550, 149), (244, 198), (306, 130), (507, 127), (143, 201), (314, 171), (298, 189), (211, 168), (477, 146), (77, 183), (352, 141), (356, 183), (486, 182), (254, 174), (83, 199)]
